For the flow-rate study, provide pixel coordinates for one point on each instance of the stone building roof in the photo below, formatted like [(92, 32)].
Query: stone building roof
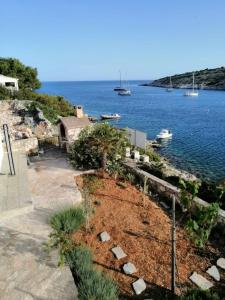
[(74, 122)]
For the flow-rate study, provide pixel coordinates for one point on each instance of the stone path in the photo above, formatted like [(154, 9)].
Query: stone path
[(14, 191), (27, 272), (213, 272)]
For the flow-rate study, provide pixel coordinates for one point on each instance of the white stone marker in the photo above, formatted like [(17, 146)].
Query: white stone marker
[(118, 252), (221, 263), (104, 236), (139, 286), (201, 281), (145, 158), (136, 154), (214, 273), (127, 151), (129, 268)]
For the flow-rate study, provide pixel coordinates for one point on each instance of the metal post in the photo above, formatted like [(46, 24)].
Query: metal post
[(173, 275), (9, 149)]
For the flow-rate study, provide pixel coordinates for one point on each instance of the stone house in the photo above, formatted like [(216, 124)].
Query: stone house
[(9, 83), (70, 127)]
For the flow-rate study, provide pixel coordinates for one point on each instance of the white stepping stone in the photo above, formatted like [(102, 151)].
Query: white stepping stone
[(104, 236), (129, 268), (214, 273), (139, 286), (201, 281), (221, 263), (118, 252)]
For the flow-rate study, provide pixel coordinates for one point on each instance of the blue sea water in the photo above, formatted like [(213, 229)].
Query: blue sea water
[(197, 123)]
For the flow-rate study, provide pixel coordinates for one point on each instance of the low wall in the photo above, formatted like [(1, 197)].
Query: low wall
[(26, 145), (167, 189)]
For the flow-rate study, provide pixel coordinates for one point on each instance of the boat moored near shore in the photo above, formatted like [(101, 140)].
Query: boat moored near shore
[(110, 117)]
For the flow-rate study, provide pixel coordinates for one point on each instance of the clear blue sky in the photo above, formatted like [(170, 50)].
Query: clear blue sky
[(93, 39)]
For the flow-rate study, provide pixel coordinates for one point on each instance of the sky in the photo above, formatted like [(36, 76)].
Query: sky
[(94, 39)]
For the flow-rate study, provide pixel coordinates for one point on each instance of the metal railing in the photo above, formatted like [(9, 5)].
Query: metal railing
[(9, 149)]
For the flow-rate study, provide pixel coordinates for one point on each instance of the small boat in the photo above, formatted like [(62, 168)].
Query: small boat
[(110, 117), (164, 134), (125, 93), (170, 89), (192, 93)]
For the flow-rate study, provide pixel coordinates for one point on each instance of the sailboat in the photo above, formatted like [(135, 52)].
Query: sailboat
[(125, 92), (170, 89), (120, 88), (192, 93)]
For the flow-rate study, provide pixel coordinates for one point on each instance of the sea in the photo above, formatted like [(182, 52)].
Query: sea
[(197, 123)]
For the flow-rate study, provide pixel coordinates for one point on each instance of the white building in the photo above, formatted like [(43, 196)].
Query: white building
[(9, 83)]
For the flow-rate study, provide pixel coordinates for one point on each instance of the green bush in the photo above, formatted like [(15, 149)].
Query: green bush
[(68, 220), (196, 294), (4, 93), (79, 260), (95, 286), (97, 145)]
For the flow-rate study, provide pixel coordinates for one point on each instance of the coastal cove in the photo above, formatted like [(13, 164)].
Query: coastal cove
[(198, 143)]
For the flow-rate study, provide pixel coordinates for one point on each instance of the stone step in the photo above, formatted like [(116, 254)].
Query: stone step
[(200, 281)]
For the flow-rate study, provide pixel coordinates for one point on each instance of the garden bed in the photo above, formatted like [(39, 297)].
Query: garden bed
[(143, 229)]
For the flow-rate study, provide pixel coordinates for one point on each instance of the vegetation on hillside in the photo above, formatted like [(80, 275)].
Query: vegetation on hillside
[(52, 106), (206, 79)]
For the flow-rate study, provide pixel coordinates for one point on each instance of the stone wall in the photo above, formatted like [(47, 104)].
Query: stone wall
[(29, 145), (167, 189)]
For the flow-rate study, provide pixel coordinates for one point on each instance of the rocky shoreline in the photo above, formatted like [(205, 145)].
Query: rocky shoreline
[(183, 86)]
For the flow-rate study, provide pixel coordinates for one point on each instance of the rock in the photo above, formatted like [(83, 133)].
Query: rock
[(139, 286), (214, 272), (29, 121), (221, 263), (118, 252), (201, 281), (129, 268), (104, 236), (18, 135)]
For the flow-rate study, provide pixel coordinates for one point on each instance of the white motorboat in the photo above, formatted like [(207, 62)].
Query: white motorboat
[(110, 117), (125, 93), (164, 134), (192, 93)]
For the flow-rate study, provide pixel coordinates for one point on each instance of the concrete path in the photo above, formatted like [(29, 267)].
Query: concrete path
[(14, 191), (27, 272)]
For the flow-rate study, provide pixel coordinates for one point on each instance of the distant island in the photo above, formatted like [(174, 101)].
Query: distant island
[(211, 79)]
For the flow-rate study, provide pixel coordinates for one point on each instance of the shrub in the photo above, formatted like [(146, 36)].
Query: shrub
[(79, 260), (196, 294), (95, 286), (200, 225), (68, 220), (4, 93), (92, 183), (96, 145)]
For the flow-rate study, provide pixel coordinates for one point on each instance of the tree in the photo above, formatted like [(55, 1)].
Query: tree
[(14, 68), (96, 145)]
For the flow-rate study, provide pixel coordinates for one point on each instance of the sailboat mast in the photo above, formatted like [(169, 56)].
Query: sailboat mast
[(120, 79), (193, 82)]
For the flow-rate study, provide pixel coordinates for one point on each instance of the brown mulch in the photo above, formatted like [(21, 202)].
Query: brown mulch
[(143, 230)]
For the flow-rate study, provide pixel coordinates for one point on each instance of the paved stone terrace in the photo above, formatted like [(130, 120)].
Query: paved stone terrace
[(14, 192), (27, 272)]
